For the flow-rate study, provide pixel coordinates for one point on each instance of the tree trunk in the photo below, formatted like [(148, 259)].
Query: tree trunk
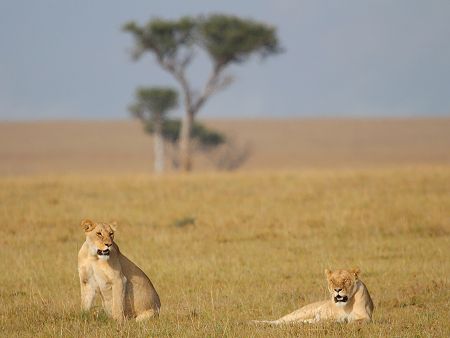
[(158, 147), (185, 141)]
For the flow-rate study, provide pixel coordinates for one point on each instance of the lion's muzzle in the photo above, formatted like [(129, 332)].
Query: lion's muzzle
[(103, 252), (340, 299)]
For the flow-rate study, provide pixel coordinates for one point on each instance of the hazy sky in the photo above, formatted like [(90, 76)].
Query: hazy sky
[(64, 59)]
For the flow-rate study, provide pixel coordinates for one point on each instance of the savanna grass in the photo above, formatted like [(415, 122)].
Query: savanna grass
[(255, 247)]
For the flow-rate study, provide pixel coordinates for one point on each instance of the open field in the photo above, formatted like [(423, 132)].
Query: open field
[(257, 250), (121, 146)]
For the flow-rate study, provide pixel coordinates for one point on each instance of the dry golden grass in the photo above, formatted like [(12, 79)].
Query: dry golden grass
[(111, 147), (257, 250)]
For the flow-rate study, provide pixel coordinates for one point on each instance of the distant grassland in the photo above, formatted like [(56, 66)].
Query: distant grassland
[(117, 147), (222, 249)]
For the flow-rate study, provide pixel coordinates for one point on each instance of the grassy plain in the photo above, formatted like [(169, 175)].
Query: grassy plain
[(115, 147), (257, 249)]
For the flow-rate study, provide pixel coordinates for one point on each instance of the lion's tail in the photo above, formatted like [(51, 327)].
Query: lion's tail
[(266, 322)]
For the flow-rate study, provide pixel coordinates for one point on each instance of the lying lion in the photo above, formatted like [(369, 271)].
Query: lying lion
[(350, 301), (125, 290)]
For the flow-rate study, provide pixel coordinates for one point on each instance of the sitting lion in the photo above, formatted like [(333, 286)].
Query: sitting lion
[(125, 290), (350, 301)]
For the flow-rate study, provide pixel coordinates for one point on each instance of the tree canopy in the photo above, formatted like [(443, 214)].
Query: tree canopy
[(154, 101), (232, 39), (225, 38), (163, 37), (205, 137)]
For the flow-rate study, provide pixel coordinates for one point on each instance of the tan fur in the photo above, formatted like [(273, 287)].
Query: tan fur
[(125, 290), (341, 283)]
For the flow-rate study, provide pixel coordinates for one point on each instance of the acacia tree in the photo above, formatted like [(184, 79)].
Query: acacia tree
[(225, 39), (204, 139), (151, 107)]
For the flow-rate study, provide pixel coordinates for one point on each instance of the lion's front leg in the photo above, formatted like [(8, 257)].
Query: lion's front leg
[(359, 318), (87, 296), (118, 301), (88, 289)]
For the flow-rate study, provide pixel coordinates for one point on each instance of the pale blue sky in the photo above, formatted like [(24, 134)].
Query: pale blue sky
[(62, 59)]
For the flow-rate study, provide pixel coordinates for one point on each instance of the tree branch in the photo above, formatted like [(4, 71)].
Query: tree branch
[(213, 84), (177, 69), (179, 74)]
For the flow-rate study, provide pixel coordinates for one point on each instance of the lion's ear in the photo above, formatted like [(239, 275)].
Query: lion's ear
[(355, 272), (113, 225), (327, 273), (87, 225)]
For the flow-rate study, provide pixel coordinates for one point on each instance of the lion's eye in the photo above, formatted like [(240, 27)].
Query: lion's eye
[(111, 234), (99, 234)]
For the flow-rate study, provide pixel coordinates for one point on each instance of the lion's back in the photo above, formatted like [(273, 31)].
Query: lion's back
[(140, 292)]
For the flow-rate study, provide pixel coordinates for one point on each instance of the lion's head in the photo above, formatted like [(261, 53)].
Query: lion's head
[(342, 285), (99, 236)]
